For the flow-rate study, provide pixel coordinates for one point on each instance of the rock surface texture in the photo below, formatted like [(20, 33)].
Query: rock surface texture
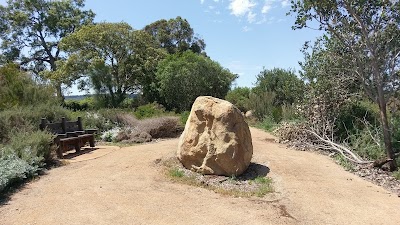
[(216, 139)]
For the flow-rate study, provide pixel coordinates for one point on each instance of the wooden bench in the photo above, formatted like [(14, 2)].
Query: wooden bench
[(70, 134)]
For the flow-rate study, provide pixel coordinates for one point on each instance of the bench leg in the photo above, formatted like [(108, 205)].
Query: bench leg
[(59, 152), (91, 142), (77, 146)]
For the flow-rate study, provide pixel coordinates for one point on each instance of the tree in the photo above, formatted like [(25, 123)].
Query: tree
[(18, 89), (368, 34), (31, 30), (185, 76), (113, 55), (175, 35), (239, 96), (285, 84)]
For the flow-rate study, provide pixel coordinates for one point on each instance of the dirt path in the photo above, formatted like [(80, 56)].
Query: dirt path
[(124, 186)]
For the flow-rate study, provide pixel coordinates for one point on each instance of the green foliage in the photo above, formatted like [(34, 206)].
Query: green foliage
[(31, 30), (395, 124), (265, 186), (184, 116), (262, 104), (290, 113), (149, 110), (175, 35), (262, 180), (352, 116), (289, 89), (24, 156), (27, 118), (267, 124), (13, 169), (368, 142), (39, 144), (176, 173), (239, 96), (351, 55), (17, 88), (115, 57), (344, 162), (396, 174), (184, 77)]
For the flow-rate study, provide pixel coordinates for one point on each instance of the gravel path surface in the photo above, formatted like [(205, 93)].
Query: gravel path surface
[(125, 186)]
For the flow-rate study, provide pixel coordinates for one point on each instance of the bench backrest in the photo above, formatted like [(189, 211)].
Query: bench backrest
[(62, 127)]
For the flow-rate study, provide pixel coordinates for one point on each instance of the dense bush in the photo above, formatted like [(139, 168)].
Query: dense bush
[(149, 110), (18, 89), (185, 76), (262, 104), (184, 117), (24, 155), (14, 169), (28, 118), (239, 96), (39, 143), (88, 103), (352, 117), (289, 89)]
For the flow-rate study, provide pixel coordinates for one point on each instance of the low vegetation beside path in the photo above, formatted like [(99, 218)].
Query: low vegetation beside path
[(253, 182)]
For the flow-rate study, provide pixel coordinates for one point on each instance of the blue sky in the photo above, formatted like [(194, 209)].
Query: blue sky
[(244, 36)]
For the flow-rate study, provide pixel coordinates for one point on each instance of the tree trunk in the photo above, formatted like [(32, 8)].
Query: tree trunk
[(387, 138), (58, 84), (60, 95)]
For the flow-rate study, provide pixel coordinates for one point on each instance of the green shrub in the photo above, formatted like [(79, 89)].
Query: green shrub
[(184, 117), (289, 113), (262, 104), (364, 143), (277, 114), (351, 116), (344, 162), (149, 110), (395, 124), (396, 174), (267, 124), (175, 172), (18, 89), (79, 105), (39, 144), (14, 169), (239, 97), (28, 118)]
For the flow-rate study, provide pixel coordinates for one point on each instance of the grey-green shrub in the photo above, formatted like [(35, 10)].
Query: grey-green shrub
[(39, 144), (14, 169)]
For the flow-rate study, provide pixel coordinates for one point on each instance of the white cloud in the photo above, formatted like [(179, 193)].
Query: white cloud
[(241, 7), (266, 8), (216, 0), (218, 12), (211, 7), (246, 29), (201, 1), (285, 3), (251, 17), (263, 20)]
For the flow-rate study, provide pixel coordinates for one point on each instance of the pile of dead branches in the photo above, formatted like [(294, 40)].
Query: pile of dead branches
[(302, 136)]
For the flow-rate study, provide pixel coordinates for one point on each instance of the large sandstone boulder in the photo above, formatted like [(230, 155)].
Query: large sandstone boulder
[(216, 139)]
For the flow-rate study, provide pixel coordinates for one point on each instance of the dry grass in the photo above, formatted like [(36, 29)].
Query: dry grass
[(140, 131)]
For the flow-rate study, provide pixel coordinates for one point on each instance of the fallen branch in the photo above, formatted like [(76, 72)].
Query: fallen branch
[(380, 162), (345, 152)]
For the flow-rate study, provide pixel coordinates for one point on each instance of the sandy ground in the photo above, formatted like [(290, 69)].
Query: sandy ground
[(125, 186)]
